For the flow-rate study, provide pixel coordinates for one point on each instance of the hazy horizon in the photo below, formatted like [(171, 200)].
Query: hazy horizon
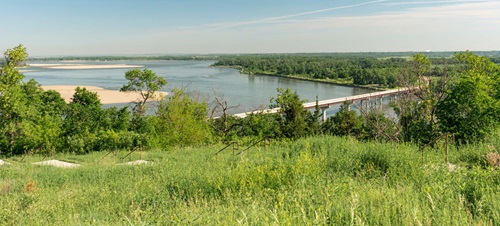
[(128, 27)]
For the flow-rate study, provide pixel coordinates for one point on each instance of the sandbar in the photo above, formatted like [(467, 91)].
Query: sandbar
[(105, 95), (85, 66)]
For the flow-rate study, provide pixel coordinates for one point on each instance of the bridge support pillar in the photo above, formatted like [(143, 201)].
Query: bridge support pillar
[(323, 112)]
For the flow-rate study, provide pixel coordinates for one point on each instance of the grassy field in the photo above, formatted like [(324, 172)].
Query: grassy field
[(314, 181)]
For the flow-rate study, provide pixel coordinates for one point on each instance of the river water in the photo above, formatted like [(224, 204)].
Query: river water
[(248, 92)]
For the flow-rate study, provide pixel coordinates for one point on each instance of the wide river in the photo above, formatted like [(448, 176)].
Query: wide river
[(249, 92)]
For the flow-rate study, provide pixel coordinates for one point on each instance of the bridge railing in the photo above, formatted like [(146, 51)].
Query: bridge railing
[(327, 103)]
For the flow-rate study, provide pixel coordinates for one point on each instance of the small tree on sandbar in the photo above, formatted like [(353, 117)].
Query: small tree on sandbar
[(144, 82)]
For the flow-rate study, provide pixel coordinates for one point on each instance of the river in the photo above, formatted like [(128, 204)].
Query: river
[(248, 92)]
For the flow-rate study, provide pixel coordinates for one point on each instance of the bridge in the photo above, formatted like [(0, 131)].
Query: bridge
[(325, 104)]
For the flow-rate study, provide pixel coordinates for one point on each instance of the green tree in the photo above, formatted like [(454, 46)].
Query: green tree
[(182, 120), (30, 119), (52, 104), (118, 119), (261, 125), (345, 122), (16, 56), (417, 108), (83, 119), (144, 82), (13, 101), (315, 120), (294, 116), (471, 107), (378, 126)]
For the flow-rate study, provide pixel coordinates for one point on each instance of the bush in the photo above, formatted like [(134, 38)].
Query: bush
[(181, 120)]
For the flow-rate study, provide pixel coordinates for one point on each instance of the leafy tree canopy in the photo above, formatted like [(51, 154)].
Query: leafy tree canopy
[(144, 82)]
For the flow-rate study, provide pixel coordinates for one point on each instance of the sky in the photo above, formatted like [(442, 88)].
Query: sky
[(156, 27)]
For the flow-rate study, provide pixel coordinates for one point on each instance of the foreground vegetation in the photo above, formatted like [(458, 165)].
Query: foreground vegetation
[(314, 181)]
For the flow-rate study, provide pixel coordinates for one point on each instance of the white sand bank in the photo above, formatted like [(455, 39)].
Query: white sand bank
[(57, 163), (85, 66), (106, 96), (24, 71), (138, 162)]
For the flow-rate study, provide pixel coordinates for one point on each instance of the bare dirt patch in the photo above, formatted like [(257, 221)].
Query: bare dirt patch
[(493, 159)]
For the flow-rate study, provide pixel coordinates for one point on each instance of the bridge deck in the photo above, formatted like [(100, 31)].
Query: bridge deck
[(327, 103), (367, 96)]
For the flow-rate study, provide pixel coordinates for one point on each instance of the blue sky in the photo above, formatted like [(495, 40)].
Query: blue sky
[(101, 27)]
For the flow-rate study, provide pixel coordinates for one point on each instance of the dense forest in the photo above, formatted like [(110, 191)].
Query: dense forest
[(369, 69), (463, 102)]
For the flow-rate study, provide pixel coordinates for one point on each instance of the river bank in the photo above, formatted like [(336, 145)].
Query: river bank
[(339, 82)]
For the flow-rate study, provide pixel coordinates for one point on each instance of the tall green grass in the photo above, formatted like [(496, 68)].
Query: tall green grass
[(314, 181)]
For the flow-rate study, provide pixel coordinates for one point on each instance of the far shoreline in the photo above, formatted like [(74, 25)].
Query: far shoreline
[(332, 82), (84, 66)]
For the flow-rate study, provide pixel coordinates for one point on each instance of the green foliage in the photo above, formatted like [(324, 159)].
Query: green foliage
[(261, 126), (357, 70), (181, 120), (110, 140), (417, 110), (52, 103), (374, 164), (345, 122), (27, 123), (16, 56), (474, 100), (378, 126), (294, 116), (117, 119), (84, 113), (315, 120), (226, 127), (144, 82), (88, 127)]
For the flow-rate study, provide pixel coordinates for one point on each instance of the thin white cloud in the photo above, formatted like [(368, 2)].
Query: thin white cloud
[(268, 20), (466, 25), (485, 11), (432, 2)]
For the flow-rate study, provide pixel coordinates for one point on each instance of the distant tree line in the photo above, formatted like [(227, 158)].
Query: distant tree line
[(351, 70), (125, 58), (382, 69)]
